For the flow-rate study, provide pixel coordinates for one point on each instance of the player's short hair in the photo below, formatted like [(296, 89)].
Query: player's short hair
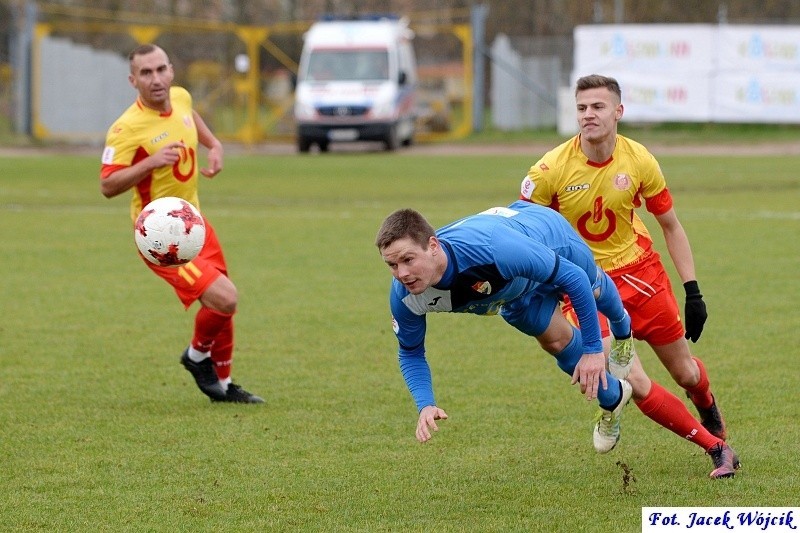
[(142, 50), (401, 224), (596, 81)]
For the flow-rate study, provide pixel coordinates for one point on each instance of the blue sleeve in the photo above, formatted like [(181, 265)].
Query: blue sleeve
[(576, 284), (417, 374), (410, 331), (517, 255)]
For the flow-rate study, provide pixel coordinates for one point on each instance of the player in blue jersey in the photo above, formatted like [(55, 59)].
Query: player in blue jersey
[(516, 261)]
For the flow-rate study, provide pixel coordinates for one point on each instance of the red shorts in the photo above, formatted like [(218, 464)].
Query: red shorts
[(191, 280), (646, 293)]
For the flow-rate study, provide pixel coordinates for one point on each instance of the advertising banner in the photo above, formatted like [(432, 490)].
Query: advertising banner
[(759, 48), (643, 48), (772, 97), (697, 72)]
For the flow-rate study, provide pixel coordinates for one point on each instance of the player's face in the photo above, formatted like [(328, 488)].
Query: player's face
[(599, 110), (412, 265), (151, 75)]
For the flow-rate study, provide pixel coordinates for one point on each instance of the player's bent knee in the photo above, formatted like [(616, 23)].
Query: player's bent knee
[(687, 380), (221, 296), (553, 345)]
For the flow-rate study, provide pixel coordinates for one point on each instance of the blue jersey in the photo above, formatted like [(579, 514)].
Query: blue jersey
[(516, 261)]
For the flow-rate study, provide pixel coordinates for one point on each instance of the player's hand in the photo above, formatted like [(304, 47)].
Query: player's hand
[(590, 372), (695, 314), (168, 156), (214, 162), (427, 422)]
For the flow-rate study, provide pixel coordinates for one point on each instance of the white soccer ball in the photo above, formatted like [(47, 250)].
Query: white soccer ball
[(169, 232)]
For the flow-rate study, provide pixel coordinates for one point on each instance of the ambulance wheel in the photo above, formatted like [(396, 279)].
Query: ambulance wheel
[(391, 140)]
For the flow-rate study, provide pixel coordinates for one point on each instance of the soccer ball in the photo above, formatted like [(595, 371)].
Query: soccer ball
[(169, 232)]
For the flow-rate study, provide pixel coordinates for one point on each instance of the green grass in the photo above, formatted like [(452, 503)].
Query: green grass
[(102, 430)]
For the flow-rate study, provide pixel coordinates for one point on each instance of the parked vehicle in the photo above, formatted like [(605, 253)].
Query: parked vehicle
[(356, 82)]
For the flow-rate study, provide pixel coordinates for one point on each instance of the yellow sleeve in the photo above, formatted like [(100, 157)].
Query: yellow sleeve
[(536, 187), (653, 182)]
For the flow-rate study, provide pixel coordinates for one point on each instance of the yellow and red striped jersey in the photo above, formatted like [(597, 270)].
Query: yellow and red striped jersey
[(600, 200), (140, 132)]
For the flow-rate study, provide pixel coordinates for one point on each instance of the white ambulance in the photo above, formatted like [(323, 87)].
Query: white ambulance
[(356, 82)]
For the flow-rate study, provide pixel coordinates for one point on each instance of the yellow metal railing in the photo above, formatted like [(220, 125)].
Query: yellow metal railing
[(241, 110)]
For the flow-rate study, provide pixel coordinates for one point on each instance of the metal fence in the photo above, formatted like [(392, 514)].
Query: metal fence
[(71, 75)]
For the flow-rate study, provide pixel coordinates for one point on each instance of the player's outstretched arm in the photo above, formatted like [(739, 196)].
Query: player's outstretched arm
[(695, 313), (427, 422)]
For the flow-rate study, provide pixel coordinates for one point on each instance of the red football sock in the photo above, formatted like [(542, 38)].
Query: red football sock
[(207, 325), (670, 412), (700, 394), (222, 351)]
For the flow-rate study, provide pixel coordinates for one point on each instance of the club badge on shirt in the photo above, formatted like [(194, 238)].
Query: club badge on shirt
[(622, 182), (482, 287)]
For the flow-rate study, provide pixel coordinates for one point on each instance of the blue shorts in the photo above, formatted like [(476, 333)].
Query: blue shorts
[(531, 313)]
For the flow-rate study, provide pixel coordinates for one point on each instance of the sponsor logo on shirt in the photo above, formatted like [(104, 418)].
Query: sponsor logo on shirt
[(108, 155), (433, 300), (159, 138), (573, 188), (526, 190)]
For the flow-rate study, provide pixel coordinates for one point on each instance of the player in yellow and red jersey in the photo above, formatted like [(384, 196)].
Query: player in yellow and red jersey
[(597, 180), (151, 149)]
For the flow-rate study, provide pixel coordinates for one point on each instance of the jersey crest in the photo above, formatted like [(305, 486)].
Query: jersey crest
[(482, 287), (622, 182)]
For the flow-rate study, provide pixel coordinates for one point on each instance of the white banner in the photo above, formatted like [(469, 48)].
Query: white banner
[(605, 49), (697, 72), (757, 97), (759, 48)]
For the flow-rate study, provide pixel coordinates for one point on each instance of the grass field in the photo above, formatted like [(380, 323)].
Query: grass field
[(102, 430)]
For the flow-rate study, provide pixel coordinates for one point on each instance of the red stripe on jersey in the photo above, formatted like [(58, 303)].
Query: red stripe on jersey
[(107, 170), (600, 165), (660, 203), (144, 186)]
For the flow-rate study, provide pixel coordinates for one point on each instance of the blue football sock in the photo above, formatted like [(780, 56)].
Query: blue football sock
[(567, 359), (609, 399)]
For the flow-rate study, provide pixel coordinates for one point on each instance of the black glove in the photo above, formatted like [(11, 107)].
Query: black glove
[(695, 314)]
